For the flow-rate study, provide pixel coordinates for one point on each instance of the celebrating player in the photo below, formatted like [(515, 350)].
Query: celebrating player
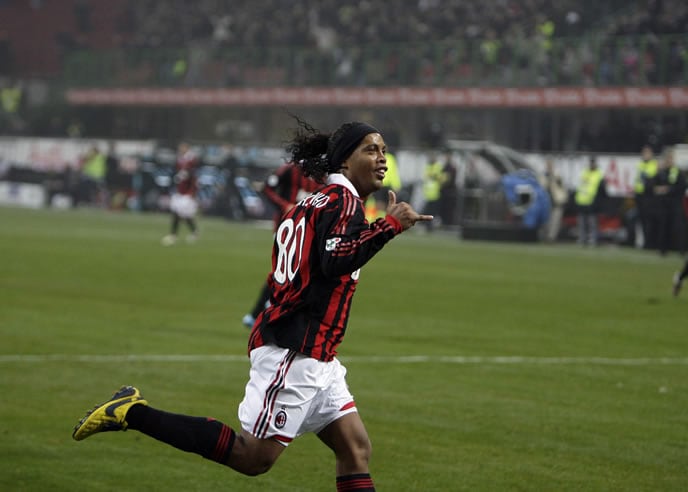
[(296, 383)]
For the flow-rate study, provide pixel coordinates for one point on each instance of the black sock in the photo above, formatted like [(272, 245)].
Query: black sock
[(175, 224), (360, 482), (201, 435)]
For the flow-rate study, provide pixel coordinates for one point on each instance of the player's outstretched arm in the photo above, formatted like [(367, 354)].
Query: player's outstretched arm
[(403, 212)]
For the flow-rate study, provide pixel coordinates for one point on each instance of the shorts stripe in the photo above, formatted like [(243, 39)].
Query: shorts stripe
[(349, 405), (262, 423)]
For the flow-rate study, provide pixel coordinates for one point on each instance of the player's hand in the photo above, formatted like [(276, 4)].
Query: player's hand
[(403, 212)]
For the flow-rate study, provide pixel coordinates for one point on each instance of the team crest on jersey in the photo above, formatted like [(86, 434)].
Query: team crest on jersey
[(280, 419), (332, 243)]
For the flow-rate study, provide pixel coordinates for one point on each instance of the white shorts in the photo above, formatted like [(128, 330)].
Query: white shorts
[(183, 205), (289, 394)]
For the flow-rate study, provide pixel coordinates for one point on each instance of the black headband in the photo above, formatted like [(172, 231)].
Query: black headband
[(347, 144)]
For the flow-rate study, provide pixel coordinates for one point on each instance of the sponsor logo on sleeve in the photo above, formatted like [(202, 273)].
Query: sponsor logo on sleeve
[(331, 244)]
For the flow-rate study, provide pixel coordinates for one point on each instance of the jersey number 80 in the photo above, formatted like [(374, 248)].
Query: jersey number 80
[(289, 239)]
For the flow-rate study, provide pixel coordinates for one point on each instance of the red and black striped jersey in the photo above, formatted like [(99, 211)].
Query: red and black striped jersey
[(286, 186), (185, 174), (185, 182), (319, 247)]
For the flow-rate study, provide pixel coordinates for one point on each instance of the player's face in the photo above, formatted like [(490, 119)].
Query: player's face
[(367, 165)]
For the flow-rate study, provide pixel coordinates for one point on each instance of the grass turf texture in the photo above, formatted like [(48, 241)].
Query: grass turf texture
[(78, 286)]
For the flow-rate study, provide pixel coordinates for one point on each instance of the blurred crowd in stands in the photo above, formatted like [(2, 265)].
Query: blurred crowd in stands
[(330, 23), (259, 43), (427, 42)]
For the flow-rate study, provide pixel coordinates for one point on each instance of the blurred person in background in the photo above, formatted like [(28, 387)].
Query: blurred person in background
[(11, 104), (232, 203), (296, 383), (183, 204), (646, 169), (284, 188), (558, 195), (449, 193), (589, 195), (433, 179), (93, 171), (666, 217), (111, 174)]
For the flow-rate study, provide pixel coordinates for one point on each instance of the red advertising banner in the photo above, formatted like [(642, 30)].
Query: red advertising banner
[(561, 97)]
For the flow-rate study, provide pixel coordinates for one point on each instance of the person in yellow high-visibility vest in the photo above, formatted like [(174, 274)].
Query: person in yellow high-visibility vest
[(591, 190), (10, 99), (93, 176), (434, 177), (645, 170), (10, 103)]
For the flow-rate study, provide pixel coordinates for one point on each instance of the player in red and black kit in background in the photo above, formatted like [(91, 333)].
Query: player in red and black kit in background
[(286, 186), (296, 383), (183, 204)]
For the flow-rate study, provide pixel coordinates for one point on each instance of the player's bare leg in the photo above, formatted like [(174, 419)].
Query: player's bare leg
[(252, 456), (348, 438)]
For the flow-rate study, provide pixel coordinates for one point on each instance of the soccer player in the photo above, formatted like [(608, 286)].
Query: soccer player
[(296, 383), (183, 204), (286, 186)]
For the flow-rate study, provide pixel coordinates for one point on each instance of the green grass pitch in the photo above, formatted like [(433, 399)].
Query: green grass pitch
[(476, 366)]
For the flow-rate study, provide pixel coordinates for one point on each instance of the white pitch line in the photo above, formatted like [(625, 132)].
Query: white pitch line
[(410, 359)]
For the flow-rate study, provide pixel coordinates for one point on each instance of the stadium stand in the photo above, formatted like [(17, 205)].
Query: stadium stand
[(427, 42), (326, 43)]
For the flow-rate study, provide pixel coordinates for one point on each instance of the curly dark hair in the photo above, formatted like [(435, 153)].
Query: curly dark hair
[(311, 149)]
